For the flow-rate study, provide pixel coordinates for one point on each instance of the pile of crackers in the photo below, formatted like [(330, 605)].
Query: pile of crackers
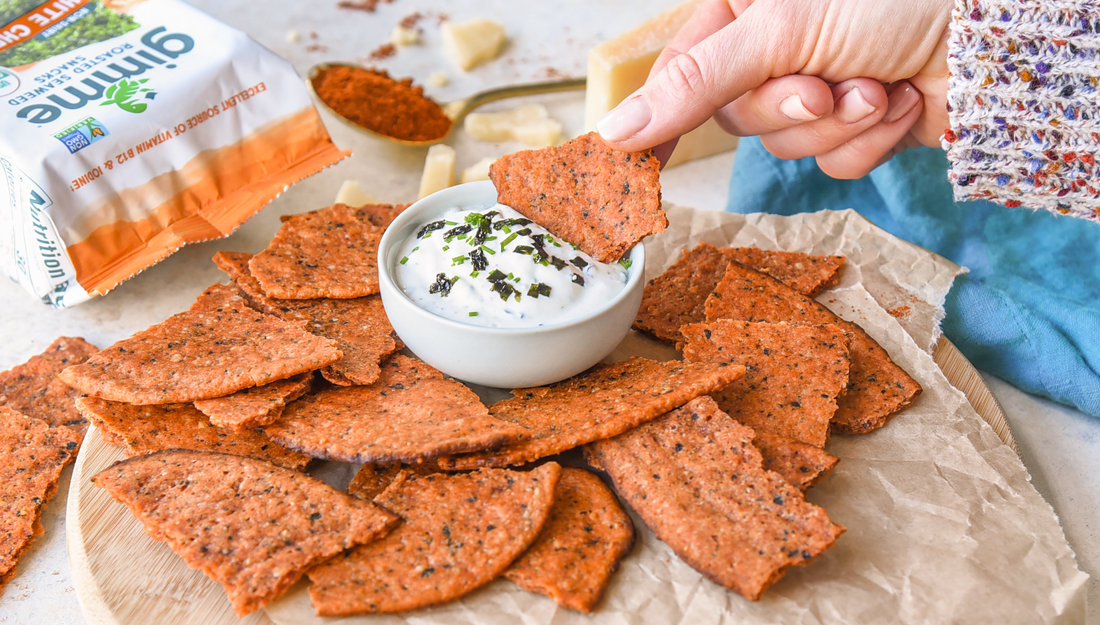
[(222, 407)]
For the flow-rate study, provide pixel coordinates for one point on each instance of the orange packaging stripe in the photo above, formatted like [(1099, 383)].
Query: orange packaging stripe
[(239, 180), (31, 24)]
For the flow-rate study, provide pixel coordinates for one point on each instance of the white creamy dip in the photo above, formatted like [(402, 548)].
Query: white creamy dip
[(494, 267)]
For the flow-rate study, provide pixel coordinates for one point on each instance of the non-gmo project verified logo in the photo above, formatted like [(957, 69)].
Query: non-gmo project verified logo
[(82, 134)]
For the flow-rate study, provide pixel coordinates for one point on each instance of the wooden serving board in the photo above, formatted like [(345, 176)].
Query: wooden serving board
[(123, 577)]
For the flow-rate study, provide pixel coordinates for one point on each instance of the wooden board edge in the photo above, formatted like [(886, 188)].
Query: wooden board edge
[(963, 376)]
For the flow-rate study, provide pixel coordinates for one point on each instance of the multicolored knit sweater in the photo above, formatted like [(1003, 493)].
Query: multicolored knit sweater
[(1024, 104)]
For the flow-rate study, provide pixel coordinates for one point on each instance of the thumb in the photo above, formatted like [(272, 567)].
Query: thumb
[(711, 74)]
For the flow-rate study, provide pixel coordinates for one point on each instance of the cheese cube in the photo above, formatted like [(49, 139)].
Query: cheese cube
[(473, 42), (438, 79), (477, 171), (529, 124), (439, 170), (401, 36), (352, 195), (619, 66)]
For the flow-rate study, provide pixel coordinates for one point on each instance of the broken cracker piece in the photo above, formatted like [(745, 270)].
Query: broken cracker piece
[(806, 273), (256, 406), (793, 377), (359, 326), (413, 412), (800, 464), (601, 200), (34, 455), (250, 526), (332, 252), (147, 429), (877, 388), (699, 484), (372, 479), (605, 401), (218, 347), (459, 533), (580, 547), (33, 389), (677, 297)]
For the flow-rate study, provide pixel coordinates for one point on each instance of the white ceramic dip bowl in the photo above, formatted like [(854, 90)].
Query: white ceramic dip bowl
[(499, 357)]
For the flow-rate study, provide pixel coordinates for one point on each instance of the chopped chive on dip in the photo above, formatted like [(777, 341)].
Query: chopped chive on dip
[(508, 280)]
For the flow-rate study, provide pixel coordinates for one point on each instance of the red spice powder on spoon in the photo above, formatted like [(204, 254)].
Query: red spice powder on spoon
[(373, 100)]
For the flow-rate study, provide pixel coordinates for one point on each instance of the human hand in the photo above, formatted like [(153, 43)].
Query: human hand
[(808, 76)]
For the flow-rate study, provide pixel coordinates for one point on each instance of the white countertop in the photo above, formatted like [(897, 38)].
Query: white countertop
[(1060, 446)]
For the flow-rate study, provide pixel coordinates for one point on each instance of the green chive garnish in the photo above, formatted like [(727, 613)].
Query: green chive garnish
[(404, 260)]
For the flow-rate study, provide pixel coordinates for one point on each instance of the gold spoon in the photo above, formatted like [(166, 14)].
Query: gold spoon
[(456, 110)]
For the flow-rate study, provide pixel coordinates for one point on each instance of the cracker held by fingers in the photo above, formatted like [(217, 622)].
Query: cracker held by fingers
[(599, 199), (877, 388), (33, 389), (580, 547), (413, 412), (677, 297), (800, 464), (459, 533), (218, 347), (148, 429), (605, 401), (33, 456), (332, 252), (250, 526), (359, 326), (793, 377), (697, 481), (256, 406)]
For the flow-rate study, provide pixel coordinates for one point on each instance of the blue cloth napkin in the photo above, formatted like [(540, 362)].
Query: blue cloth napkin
[(1028, 312)]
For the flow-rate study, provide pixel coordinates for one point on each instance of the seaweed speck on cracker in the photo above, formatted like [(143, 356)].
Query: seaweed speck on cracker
[(697, 481), (605, 401), (218, 347), (877, 388), (359, 326), (251, 526), (34, 455), (580, 547), (411, 413), (329, 253), (599, 199), (459, 532)]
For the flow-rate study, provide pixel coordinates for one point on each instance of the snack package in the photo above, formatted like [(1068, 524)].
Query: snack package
[(129, 128)]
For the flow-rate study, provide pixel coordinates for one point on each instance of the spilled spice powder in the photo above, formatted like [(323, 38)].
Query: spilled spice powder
[(373, 100)]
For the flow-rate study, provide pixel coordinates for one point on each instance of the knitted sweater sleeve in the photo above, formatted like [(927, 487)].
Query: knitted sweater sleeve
[(1024, 104)]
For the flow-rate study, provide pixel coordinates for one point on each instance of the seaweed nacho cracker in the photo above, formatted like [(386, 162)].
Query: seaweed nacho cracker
[(128, 130)]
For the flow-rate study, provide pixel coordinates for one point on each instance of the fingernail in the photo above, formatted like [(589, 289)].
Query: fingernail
[(626, 120), (901, 102), (793, 108), (853, 107)]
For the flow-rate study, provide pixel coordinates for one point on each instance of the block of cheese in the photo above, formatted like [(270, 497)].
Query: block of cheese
[(352, 195), (477, 171), (529, 124), (619, 66), (439, 170), (472, 42)]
